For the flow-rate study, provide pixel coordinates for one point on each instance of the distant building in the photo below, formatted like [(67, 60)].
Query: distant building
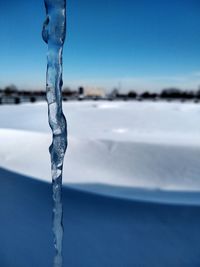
[(94, 92)]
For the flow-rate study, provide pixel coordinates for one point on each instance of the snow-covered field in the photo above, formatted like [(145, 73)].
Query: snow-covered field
[(132, 184), (111, 144)]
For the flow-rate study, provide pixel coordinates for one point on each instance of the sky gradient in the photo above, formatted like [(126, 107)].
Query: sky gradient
[(129, 44)]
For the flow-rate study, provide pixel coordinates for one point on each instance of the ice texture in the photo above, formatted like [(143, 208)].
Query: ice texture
[(54, 30)]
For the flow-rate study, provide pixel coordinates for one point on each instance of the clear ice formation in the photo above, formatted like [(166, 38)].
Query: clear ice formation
[(54, 30)]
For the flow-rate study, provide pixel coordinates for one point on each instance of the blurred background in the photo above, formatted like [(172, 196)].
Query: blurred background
[(131, 89), (133, 46)]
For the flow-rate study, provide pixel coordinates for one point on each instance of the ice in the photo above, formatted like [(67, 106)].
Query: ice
[(53, 33)]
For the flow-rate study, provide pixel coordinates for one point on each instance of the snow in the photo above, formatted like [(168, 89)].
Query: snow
[(131, 185), (135, 145), (98, 231)]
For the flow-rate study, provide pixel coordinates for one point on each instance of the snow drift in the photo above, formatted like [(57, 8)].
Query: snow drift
[(131, 185)]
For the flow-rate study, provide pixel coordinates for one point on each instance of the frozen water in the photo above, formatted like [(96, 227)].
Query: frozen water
[(53, 33)]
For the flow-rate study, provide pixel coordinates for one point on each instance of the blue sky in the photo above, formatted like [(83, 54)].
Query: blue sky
[(139, 44)]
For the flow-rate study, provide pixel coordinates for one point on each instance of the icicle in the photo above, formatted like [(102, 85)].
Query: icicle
[(53, 33)]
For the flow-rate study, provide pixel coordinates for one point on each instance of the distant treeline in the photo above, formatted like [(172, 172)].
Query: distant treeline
[(168, 94), (11, 94)]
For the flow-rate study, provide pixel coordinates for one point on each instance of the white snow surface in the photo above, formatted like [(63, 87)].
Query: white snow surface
[(124, 145), (131, 185)]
